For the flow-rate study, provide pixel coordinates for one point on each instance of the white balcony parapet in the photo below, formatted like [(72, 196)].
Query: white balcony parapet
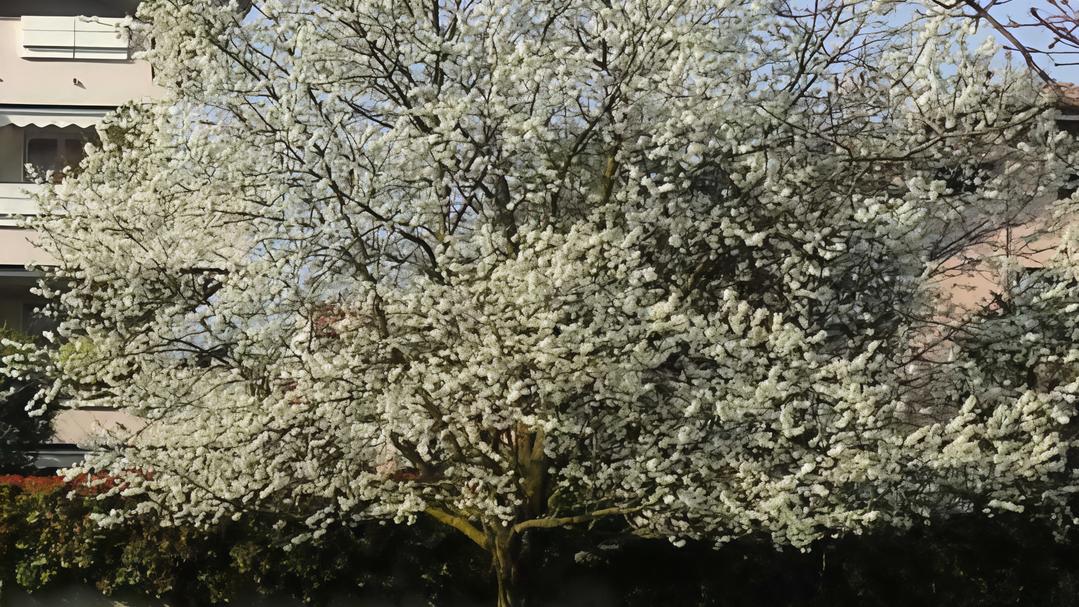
[(16, 200)]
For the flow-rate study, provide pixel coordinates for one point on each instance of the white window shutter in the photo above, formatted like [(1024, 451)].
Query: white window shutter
[(48, 37), (74, 38), (100, 38)]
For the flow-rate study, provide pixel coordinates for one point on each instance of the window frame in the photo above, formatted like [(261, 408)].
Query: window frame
[(61, 135)]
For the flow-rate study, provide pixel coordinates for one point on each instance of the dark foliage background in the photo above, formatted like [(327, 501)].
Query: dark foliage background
[(20, 432), (47, 538)]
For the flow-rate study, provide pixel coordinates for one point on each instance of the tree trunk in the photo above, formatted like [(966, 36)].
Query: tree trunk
[(506, 553)]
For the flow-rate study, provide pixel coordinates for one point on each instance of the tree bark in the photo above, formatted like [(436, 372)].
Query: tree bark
[(506, 554)]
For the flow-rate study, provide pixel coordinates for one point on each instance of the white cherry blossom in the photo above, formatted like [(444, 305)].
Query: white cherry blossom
[(517, 265)]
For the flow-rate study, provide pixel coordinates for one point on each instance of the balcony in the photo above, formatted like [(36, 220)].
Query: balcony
[(16, 200), (58, 149)]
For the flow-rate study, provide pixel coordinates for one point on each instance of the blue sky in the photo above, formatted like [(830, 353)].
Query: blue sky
[(1035, 37), (1004, 11)]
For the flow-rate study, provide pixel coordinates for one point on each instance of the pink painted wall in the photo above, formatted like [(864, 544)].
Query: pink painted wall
[(971, 281)]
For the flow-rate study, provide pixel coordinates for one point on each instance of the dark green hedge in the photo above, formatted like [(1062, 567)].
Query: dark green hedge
[(48, 538)]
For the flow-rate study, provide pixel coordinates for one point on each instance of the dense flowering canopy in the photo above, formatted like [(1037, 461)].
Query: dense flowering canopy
[(527, 264)]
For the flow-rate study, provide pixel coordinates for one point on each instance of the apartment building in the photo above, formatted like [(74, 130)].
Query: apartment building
[(1008, 260), (64, 64)]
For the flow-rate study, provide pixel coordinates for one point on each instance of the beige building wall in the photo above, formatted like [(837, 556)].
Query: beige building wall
[(17, 248), (35, 93), (68, 82), (80, 426)]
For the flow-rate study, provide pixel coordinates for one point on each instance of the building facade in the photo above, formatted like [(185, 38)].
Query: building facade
[(64, 64)]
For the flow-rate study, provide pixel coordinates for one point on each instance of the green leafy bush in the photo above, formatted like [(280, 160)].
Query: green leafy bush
[(48, 537)]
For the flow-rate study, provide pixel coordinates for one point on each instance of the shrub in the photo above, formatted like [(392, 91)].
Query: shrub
[(48, 535)]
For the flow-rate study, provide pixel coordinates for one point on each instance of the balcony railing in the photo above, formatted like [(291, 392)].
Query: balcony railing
[(16, 199)]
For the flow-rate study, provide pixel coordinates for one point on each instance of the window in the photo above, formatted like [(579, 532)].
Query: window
[(1070, 125), (962, 179), (1030, 281), (55, 150), (34, 323), (1071, 185)]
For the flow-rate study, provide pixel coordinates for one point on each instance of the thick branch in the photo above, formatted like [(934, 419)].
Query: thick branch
[(460, 524), (565, 521)]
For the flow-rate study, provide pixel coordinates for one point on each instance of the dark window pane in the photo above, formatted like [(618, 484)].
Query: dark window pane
[(73, 153), (55, 152), (42, 154), (34, 323)]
